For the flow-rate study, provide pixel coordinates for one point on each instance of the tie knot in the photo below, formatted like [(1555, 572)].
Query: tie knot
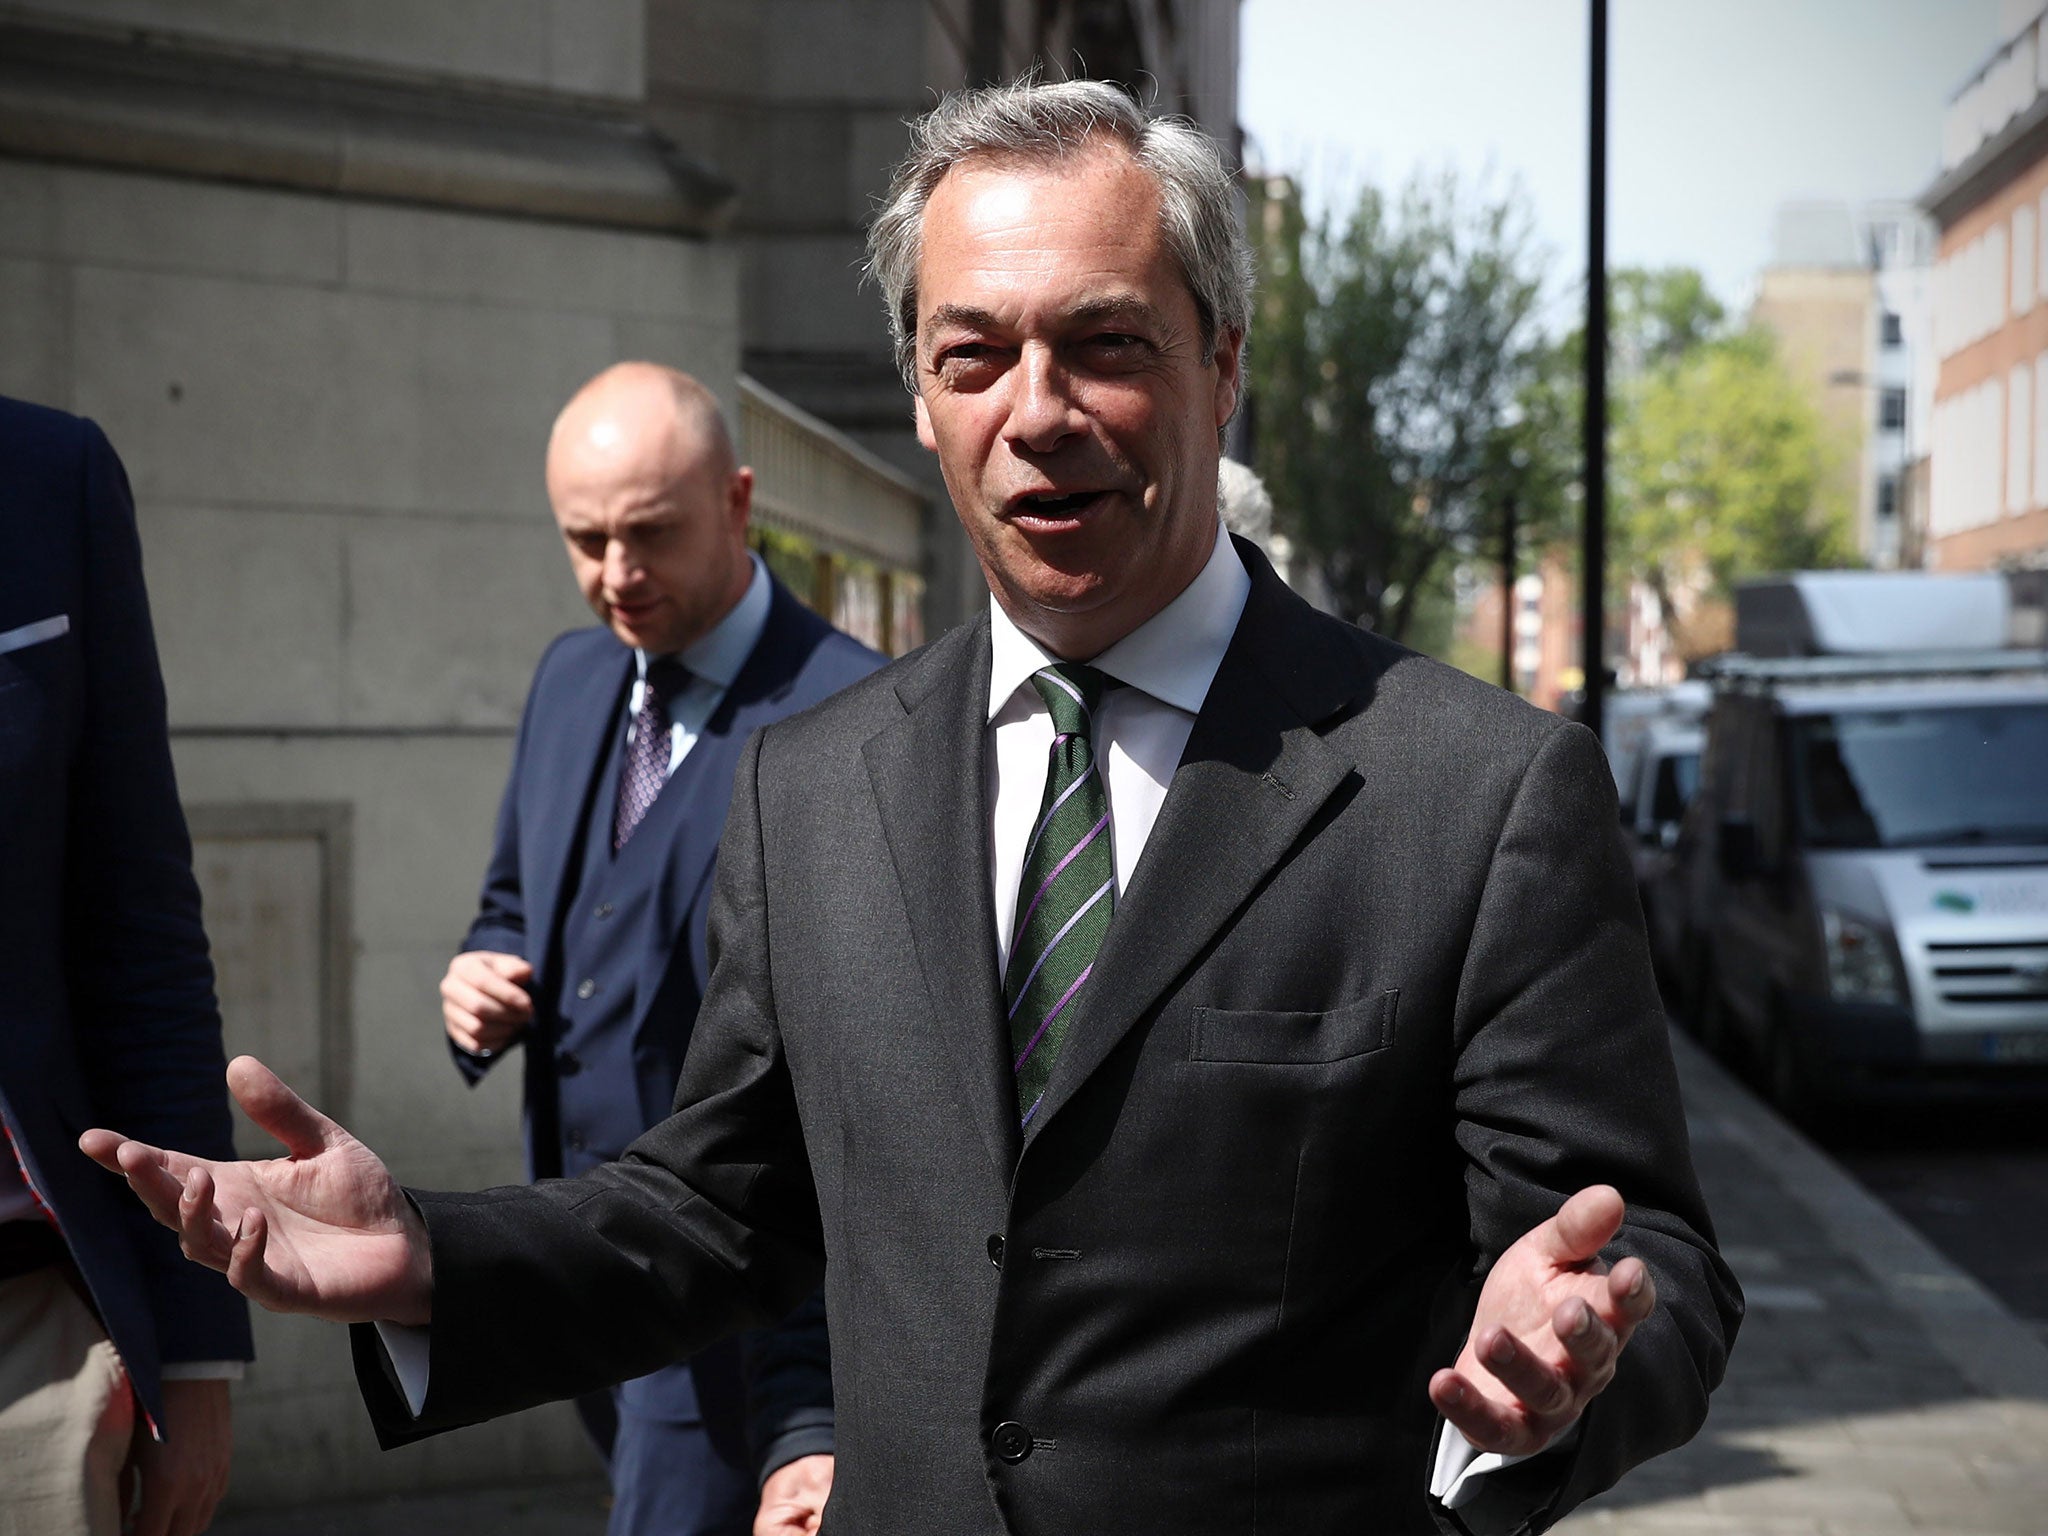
[(1072, 692), (666, 677)]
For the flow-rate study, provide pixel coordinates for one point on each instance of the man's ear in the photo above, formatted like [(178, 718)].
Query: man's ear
[(1229, 374), (925, 434), (739, 497)]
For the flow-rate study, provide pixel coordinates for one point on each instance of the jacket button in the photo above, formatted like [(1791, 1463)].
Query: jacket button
[(995, 1250), (586, 989), (568, 1063), (1012, 1441), (604, 910)]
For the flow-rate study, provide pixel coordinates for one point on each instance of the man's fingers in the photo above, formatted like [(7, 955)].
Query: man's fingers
[(1589, 1342), (1584, 1224), (246, 1270), (101, 1146), (1632, 1292), (1487, 1424), (477, 1036), (511, 967), (1538, 1385), (149, 1173), (200, 1231), (492, 977), (499, 1002), (271, 1103)]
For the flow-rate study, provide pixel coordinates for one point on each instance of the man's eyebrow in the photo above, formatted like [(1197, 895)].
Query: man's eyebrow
[(1126, 307), (1117, 307), (966, 316)]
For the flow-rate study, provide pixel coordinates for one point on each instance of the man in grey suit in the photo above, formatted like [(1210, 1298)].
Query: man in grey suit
[(1204, 1047)]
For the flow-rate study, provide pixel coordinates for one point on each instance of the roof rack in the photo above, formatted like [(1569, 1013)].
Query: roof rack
[(1739, 671)]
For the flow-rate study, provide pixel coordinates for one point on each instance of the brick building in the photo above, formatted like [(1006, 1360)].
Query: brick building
[(1988, 471)]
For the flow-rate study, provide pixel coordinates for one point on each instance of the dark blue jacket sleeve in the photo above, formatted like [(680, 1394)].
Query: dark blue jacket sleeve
[(145, 1023), (500, 923)]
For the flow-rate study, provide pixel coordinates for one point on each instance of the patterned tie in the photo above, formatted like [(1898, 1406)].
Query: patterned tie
[(1068, 889), (645, 769)]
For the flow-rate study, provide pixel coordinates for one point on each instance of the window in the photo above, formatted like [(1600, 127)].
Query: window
[(1891, 334), (2019, 422), (1887, 495), (1891, 409), (2041, 430), (2023, 259)]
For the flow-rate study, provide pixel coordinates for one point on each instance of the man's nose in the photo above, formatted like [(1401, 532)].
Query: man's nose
[(1043, 409), (620, 568)]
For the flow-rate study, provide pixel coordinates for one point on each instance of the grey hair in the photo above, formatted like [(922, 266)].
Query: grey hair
[(1032, 122)]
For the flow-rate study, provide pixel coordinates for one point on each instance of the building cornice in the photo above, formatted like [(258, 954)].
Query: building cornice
[(1997, 163), (138, 101)]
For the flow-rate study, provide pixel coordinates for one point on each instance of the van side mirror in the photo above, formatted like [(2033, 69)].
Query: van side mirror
[(1737, 849)]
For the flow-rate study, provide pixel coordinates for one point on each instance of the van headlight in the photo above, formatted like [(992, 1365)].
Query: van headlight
[(1860, 964)]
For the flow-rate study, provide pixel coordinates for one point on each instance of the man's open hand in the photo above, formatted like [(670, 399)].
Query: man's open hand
[(1552, 1322), (323, 1230)]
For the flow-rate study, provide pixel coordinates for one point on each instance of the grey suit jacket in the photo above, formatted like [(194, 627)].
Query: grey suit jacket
[(1375, 1001)]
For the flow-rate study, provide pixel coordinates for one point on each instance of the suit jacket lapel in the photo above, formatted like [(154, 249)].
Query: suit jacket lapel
[(1253, 777), (928, 780)]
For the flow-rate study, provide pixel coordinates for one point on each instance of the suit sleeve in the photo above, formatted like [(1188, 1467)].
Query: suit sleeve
[(788, 1370), (500, 924), (1563, 1079), (705, 1225), (143, 1011)]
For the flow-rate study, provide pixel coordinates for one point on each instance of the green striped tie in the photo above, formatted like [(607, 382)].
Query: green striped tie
[(1068, 889)]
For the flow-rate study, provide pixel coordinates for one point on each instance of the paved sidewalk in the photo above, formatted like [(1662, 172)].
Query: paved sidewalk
[(1876, 1389)]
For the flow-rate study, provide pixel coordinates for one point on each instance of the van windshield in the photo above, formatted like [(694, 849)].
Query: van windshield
[(1922, 778)]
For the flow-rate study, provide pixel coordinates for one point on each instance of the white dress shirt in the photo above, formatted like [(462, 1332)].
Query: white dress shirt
[(1141, 729), (714, 660)]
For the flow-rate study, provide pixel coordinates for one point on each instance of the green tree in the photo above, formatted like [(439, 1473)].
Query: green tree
[(1656, 316), (1721, 469), (1386, 378)]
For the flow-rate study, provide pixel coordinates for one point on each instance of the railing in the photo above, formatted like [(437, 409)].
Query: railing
[(857, 521)]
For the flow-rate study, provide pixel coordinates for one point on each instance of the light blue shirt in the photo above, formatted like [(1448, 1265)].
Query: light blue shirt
[(714, 660)]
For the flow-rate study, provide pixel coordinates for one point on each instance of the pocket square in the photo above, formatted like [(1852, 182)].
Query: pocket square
[(34, 634)]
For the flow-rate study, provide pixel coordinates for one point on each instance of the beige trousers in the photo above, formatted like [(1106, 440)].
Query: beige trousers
[(66, 1413)]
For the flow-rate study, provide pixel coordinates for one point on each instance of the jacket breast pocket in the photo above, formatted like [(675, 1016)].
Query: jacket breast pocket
[(1278, 1038)]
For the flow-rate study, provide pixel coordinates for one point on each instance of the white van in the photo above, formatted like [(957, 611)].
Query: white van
[(1865, 865)]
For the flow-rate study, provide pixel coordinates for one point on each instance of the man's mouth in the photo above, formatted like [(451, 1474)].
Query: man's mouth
[(1056, 507)]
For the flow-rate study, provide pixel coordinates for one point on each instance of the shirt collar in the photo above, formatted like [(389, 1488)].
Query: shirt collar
[(1173, 655), (717, 655)]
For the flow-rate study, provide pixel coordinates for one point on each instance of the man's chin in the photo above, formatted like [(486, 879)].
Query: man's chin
[(645, 633)]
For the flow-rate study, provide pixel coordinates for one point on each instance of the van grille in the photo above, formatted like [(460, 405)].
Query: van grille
[(2007, 971)]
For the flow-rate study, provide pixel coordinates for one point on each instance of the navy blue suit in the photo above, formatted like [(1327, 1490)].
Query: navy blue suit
[(617, 943), (107, 1013)]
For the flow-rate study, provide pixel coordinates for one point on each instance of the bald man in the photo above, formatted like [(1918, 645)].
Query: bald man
[(589, 949)]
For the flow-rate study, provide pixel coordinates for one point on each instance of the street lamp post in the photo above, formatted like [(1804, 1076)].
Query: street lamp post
[(1594, 621)]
